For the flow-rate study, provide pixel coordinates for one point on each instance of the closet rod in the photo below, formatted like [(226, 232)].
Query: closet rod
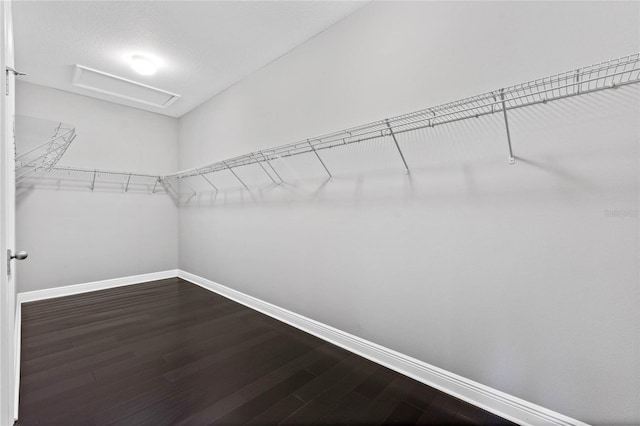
[(605, 75)]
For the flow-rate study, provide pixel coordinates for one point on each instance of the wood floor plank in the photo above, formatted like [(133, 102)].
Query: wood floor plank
[(403, 414), (372, 387), (320, 407), (253, 390), (169, 352), (277, 412), (381, 407), (261, 403)]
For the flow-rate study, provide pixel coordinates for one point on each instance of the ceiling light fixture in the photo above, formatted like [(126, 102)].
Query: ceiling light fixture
[(143, 65)]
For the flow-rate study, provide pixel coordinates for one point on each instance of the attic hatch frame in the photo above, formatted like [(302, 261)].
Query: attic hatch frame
[(605, 75)]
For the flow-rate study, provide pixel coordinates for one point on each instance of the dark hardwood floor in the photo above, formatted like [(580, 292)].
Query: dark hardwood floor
[(169, 352)]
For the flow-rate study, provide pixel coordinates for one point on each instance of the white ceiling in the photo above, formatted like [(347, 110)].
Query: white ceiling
[(202, 47)]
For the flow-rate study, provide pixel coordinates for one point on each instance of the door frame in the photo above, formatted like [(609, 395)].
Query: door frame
[(8, 399)]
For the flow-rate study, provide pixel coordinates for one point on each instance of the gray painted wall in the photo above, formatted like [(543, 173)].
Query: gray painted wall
[(74, 235), (514, 276)]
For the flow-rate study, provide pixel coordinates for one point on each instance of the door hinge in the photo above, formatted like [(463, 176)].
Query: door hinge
[(15, 72), (9, 258)]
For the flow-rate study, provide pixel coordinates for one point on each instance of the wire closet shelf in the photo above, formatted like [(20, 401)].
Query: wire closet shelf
[(39, 160), (602, 76), (125, 181), (45, 156), (605, 75)]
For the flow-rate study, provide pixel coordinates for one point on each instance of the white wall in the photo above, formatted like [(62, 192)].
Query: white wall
[(74, 235), (513, 276)]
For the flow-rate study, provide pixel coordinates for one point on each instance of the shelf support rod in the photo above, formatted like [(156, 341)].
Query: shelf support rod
[(126, 188), (263, 169), (271, 165), (393, 135), (153, 191), (506, 124), (319, 159), (234, 173), (93, 182), (205, 178)]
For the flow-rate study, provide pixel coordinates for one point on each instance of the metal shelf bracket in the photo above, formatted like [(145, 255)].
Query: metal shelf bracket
[(395, 141), (237, 177), (512, 160), (319, 159)]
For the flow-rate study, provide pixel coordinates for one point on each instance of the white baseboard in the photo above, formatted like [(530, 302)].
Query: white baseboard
[(492, 400), (49, 293)]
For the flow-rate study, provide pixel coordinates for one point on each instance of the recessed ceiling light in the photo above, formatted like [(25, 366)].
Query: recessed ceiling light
[(143, 65)]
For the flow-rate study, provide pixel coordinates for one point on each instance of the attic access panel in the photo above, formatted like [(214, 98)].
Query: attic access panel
[(111, 85)]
